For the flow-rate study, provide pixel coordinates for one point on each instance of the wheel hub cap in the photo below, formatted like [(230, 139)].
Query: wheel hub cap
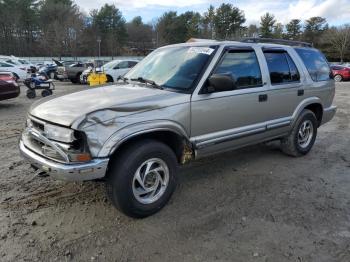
[(305, 134), (150, 181)]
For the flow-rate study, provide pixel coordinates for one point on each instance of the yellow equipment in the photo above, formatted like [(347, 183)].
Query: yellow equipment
[(95, 78)]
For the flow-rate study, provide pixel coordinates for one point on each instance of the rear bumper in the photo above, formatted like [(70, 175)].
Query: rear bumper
[(91, 170), (328, 114)]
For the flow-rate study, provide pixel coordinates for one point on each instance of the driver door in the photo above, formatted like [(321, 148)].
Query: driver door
[(228, 119)]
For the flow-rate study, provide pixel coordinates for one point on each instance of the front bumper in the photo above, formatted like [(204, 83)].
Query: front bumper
[(328, 114), (91, 170)]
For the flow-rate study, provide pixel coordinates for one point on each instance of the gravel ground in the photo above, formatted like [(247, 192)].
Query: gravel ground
[(254, 204)]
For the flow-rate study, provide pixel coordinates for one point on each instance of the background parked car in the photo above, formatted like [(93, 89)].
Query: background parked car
[(117, 68), (49, 70), (61, 68), (340, 73), (8, 86), (19, 72)]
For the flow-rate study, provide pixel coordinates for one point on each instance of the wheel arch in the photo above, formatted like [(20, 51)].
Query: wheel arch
[(313, 104), (169, 133)]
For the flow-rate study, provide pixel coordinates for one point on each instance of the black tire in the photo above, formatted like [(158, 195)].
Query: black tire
[(74, 80), (338, 78), (31, 94), (109, 79), (121, 172), (46, 92), (290, 144)]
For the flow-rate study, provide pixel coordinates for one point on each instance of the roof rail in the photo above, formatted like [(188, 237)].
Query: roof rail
[(276, 41)]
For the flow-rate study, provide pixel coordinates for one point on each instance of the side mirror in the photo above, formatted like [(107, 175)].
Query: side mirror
[(220, 83)]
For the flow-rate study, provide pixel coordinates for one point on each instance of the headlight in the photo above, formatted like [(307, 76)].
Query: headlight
[(58, 133)]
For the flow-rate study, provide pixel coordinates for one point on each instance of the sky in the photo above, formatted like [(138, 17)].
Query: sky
[(337, 12)]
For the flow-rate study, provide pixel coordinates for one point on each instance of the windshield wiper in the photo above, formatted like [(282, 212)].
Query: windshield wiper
[(147, 81), (125, 79)]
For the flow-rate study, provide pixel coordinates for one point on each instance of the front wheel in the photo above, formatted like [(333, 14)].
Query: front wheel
[(142, 179), (300, 141)]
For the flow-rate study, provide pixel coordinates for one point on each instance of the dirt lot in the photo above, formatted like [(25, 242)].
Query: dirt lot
[(255, 204)]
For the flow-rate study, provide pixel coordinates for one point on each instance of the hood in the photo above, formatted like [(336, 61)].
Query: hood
[(120, 99)]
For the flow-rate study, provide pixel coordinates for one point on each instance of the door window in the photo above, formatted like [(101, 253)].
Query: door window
[(123, 65), (242, 66), (281, 67)]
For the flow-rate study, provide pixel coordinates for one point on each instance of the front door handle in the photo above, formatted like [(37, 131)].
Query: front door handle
[(263, 98)]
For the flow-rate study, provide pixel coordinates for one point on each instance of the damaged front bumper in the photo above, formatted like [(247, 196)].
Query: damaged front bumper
[(91, 170)]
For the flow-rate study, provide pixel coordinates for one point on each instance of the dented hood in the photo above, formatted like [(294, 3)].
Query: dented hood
[(115, 100)]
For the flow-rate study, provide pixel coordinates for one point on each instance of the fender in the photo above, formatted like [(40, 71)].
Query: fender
[(303, 104), (124, 134)]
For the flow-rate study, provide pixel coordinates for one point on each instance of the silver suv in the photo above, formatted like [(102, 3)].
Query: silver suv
[(181, 103)]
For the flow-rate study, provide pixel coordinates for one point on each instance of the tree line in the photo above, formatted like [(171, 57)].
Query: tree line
[(59, 28)]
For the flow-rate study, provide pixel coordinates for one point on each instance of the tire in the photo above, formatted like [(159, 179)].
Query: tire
[(31, 94), (298, 142), (46, 93), (122, 185), (338, 78), (74, 80), (109, 79)]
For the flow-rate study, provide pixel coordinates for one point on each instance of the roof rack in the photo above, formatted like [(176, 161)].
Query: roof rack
[(276, 41)]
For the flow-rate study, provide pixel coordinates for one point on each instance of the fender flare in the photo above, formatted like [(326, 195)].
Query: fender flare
[(131, 131), (306, 102)]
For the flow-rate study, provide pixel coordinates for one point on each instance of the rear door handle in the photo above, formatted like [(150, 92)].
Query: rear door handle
[(300, 92), (263, 98)]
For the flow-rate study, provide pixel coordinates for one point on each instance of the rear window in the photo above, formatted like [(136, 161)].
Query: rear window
[(315, 63)]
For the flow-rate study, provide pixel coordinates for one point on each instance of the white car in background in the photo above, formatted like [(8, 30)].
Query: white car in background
[(117, 68), (19, 71)]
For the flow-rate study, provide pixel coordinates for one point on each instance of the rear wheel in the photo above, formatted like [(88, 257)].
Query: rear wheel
[(338, 78), (74, 80), (300, 141), (46, 92), (31, 94), (142, 179)]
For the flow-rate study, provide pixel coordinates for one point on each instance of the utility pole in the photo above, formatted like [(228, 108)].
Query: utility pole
[(99, 47)]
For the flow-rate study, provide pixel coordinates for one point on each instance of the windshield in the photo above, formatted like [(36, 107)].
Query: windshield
[(173, 67)]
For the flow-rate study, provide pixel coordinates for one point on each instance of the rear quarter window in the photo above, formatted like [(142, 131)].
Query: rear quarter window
[(315, 63)]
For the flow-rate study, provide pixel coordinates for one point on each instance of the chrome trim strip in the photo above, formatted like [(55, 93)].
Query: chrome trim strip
[(227, 135)]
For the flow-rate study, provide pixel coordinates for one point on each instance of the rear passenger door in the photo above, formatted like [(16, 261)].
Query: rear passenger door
[(285, 88)]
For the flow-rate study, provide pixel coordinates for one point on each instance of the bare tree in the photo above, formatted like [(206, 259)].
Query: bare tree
[(339, 37)]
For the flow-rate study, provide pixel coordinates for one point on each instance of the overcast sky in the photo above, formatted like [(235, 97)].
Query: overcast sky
[(336, 11)]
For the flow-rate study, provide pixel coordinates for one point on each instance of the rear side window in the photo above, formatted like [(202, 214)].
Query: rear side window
[(315, 63), (243, 67), (282, 69)]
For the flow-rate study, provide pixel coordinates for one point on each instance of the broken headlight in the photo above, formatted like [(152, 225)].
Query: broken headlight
[(58, 133)]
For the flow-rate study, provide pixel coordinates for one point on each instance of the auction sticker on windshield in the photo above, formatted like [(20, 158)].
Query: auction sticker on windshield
[(201, 50)]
